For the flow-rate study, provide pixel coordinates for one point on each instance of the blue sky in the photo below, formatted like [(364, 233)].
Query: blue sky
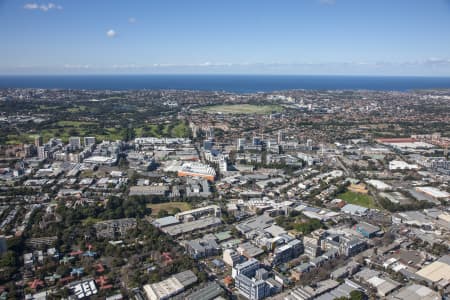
[(370, 37)]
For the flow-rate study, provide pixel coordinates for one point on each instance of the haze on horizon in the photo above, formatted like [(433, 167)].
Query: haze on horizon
[(348, 37)]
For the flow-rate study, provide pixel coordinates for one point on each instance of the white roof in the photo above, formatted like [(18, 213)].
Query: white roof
[(376, 281), (436, 271), (163, 289), (435, 192), (378, 184), (352, 208)]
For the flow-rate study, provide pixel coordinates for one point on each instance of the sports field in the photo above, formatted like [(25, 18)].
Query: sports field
[(358, 199), (242, 109), (178, 129), (168, 206)]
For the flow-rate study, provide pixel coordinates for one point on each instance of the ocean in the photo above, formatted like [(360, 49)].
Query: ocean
[(227, 83)]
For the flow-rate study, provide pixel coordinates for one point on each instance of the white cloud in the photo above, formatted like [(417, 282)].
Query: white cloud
[(76, 67), (42, 7), (111, 33), (31, 6), (437, 61), (433, 66), (131, 20)]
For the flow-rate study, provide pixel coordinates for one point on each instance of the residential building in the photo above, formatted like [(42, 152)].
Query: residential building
[(231, 257), (247, 268), (250, 288), (287, 252), (201, 248), (351, 247), (89, 140), (75, 142)]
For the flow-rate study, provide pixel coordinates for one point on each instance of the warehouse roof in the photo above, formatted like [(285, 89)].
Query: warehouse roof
[(416, 292), (210, 291), (437, 270)]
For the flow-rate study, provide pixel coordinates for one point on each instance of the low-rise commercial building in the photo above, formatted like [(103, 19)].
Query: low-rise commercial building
[(201, 248), (170, 287), (189, 215), (437, 271), (367, 230), (196, 169), (415, 292), (114, 228)]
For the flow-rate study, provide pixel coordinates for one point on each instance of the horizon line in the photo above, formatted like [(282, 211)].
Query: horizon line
[(224, 74)]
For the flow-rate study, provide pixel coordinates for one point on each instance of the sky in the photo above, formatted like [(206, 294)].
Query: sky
[(348, 37)]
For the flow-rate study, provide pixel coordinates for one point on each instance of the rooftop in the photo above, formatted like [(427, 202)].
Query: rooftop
[(210, 291), (416, 292), (437, 270)]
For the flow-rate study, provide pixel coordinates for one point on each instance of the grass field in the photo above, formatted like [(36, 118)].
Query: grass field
[(76, 124), (66, 130), (168, 206), (90, 221), (77, 109), (180, 130), (64, 133), (242, 109), (358, 199), (171, 130)]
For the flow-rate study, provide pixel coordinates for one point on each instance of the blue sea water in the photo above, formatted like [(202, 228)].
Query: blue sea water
[(229, 83)]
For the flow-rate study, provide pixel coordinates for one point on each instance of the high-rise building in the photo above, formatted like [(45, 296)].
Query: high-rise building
[(223, 165), (42, 152), (210, 133), (240, 144), (252, 289), (38, 141), (281, 136), (3, 246), (194, 129), (28, 150), (75, 142), (208, 144), (89, 140), (247, 268)]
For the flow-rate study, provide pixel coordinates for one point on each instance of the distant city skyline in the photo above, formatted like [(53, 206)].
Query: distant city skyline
[(327, 37)]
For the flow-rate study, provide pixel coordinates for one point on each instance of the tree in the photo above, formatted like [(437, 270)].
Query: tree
[(63, 270), (357, 295), (354, 295), (162, 213), (175, 210), (8, 259), (308, 226)]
